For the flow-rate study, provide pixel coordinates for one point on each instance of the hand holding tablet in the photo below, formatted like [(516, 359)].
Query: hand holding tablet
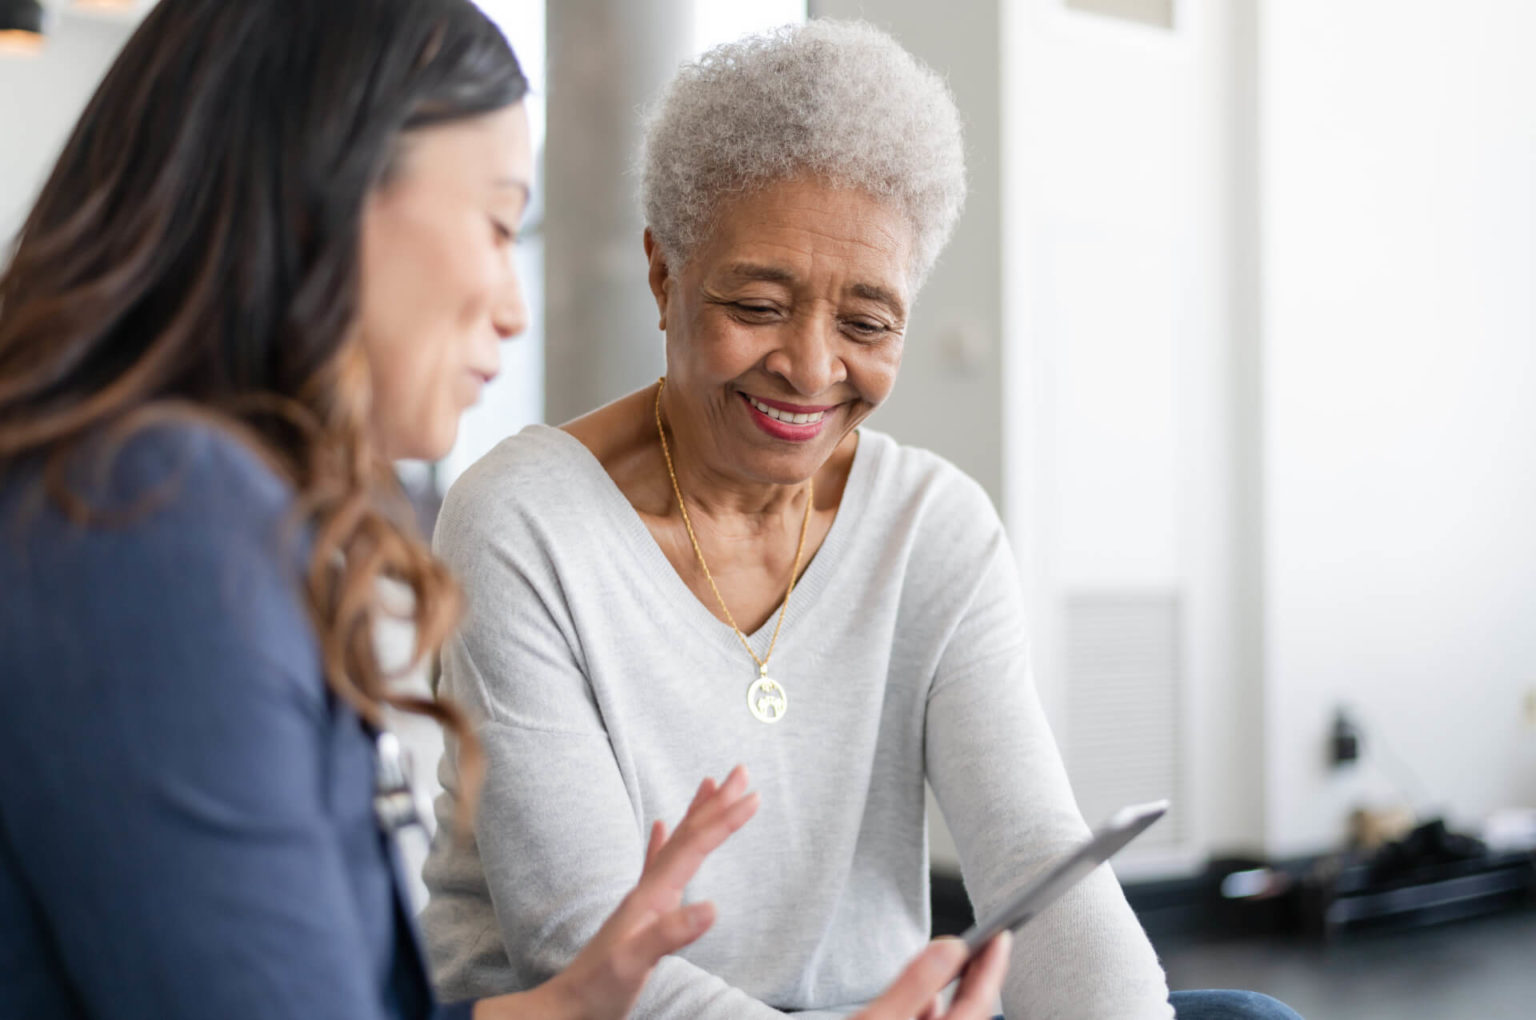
[(979, 958)]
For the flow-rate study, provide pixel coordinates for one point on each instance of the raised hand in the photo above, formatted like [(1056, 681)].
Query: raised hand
[(604, 980)]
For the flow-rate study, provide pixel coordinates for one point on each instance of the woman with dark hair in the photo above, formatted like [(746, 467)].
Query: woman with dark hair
[(274, 255)]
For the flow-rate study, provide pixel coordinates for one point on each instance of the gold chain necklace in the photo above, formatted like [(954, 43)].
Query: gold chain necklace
[(766, 699)]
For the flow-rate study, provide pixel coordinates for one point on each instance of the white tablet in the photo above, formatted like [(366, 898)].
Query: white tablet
[(1126, 825)]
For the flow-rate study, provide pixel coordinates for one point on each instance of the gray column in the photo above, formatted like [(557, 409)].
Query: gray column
[(607, 61)]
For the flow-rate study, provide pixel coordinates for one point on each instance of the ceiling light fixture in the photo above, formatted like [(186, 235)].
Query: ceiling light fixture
[(21, 26)]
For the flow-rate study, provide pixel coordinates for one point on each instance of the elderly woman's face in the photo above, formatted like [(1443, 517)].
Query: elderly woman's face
[(785, 329)]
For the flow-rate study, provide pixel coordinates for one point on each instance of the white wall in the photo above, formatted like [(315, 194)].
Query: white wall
[(1399, 220), (1125, 316)]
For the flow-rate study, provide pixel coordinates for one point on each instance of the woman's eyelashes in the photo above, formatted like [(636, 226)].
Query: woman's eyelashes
[(754, 311), (866, 329)]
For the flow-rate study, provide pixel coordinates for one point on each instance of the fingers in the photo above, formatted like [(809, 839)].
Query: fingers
[(706, 788), (982, 982), (606, 977), (671, 861), (724, 805), (923, 979), (713, 816), (915, 992), (649, 924), (657, 841)]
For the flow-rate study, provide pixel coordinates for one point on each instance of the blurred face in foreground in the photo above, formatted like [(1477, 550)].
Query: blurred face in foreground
[(439, 288)]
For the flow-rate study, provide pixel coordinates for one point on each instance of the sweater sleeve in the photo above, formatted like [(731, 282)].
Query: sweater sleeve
[(165, 779), (556, 829), (1003, 788)]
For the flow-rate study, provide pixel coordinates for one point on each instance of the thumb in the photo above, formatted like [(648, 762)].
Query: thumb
[(664, 933), (924, 978)]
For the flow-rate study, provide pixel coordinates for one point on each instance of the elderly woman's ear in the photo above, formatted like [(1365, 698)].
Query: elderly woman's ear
[(660, 276)]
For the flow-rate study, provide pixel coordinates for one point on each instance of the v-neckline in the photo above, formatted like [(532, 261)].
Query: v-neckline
[(674, 590)]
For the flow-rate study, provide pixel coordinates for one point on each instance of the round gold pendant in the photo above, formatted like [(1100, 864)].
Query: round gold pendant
[(767, 700)]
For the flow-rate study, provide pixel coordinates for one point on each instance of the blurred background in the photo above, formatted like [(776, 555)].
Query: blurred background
[(1239, 332)]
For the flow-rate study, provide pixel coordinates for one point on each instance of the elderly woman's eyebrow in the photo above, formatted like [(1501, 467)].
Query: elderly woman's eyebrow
[(873, 292), (760, 271), (780, 274)]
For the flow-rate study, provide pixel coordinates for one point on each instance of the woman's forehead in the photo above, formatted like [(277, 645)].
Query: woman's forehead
[(784, 232)]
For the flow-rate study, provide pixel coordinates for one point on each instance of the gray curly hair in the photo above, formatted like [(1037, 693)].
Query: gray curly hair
[(837, 99)]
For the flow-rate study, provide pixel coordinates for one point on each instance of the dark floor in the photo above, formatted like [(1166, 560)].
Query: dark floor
[(1482, 969)]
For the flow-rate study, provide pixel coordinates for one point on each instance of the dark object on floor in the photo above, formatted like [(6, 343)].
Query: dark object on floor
[(1188, 907), (1429, 876), (1429, 845)]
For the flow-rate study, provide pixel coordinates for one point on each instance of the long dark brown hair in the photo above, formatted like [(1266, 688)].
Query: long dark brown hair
[(196, 252)]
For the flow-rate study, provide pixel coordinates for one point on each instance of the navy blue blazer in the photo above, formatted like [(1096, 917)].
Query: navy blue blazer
[(186, 824)]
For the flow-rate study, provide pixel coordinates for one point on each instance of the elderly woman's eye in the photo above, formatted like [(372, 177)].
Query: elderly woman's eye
[(867, 328), (750, 308)]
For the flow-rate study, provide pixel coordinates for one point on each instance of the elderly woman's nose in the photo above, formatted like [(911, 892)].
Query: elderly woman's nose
[(808, 357)]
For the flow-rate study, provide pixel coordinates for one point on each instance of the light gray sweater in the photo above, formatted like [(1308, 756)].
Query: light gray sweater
[(604, 690)]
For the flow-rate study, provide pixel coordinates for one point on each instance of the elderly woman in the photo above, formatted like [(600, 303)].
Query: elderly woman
[(726, 566)]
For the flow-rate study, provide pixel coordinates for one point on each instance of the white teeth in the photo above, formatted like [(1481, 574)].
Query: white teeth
[(787, 416)]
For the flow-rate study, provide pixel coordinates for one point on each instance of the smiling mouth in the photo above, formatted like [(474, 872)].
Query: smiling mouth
[(787, 417)]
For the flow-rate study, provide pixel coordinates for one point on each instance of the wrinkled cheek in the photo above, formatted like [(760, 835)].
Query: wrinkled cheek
[(876, 381), (704, 351)]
